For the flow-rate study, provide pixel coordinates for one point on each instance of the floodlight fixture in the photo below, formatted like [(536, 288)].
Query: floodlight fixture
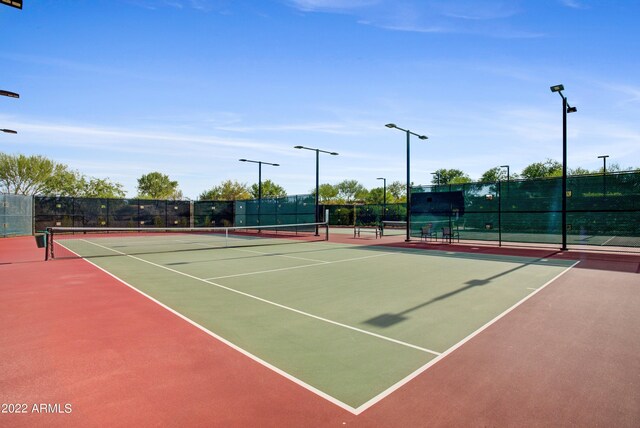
[(9, 94), (571, 109), (13, 3), (391, 125), (557, 88)]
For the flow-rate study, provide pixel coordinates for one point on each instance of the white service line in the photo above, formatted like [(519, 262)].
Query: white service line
[(242, 293), (255, 358), (420, 370), (256, 252), (608, 240), (299, 267), (276, 254)]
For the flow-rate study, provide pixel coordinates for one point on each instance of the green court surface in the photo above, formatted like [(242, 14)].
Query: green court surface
[(348, 322)]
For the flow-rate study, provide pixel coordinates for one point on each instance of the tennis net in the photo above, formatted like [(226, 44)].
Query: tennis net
[(104, 241)]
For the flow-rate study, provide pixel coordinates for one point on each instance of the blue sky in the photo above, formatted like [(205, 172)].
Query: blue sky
[(120, 88)]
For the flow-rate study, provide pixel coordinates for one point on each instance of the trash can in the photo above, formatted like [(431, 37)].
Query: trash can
[(41, 240)]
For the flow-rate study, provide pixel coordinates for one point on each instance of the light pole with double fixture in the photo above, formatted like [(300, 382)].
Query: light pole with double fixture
[(422, 137)]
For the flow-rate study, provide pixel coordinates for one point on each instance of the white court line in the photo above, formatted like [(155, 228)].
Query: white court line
[(413, 375), (278, 255), (242, 293), (255, 358), (361, 408), (607, 241), (256, 252), (298, 267)]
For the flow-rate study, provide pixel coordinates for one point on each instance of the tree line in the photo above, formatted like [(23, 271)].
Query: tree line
[(38, 175)]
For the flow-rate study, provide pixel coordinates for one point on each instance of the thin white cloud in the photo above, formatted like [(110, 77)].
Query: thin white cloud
[(201, 5), (331, 5), (489, 18), (631, 93), (574, 4), (324, 128)]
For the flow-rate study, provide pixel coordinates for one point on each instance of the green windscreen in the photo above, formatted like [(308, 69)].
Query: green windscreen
[(57, 211), (365, 215), (601, 210), (16, 215), (297, 209)]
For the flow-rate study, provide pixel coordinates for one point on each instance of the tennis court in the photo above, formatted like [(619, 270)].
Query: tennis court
[(350, 323)]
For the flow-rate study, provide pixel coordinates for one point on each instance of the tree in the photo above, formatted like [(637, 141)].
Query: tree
[(398, 191), (496, 174), (450, 176), (548, 168), (580, 171), (269, 190), (102, 188), (613, 167), (35, 175), (376, 196), (157, 186), (328, 194), (227, 191), (65, 182), (351, 191)]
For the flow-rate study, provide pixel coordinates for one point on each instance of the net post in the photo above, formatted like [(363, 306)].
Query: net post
[(46, 244)]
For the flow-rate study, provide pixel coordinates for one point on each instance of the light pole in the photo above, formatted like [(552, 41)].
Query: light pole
[(506, 166), (566, 108), (10, 95), (384, 197), (422, 137), (259, 183), (437, 174), (318, 151), (260, 163), (604, 174)]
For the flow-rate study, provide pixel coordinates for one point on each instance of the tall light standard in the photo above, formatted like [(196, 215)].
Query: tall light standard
[(318, 151), (437, 174), (422, 137), (604, 174), (506, 166), (259, 183), (566, 108), (10, 95), (260, 163), (384, 197)]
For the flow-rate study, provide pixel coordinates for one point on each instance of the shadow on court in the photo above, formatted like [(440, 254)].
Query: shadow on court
[(388, 320)]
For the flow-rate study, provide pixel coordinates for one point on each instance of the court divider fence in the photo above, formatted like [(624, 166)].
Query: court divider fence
[(602, 210), (16, 215)]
